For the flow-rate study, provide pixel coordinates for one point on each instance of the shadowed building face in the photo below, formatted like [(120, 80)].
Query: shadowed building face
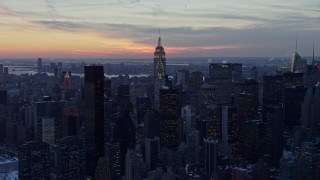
[(94, 111)]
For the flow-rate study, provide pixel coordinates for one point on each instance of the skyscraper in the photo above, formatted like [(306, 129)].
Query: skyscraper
[(159, 71), (34, 161), (297, 63), (39, 65), (222, 75), (170, 109), (49, 121), (211, 155), (94, 113), (159, 62)]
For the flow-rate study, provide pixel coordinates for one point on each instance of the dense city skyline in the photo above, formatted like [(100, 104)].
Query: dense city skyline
[(129, 28)]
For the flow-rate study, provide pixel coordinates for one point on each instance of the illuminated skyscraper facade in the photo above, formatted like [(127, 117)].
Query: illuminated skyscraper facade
[(159, 62), (159, 70)]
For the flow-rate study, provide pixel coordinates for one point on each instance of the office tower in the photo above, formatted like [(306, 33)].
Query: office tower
[(152, 124), (195, 81), (182, 78), (211, 155), (247, 105), (94, 114), (159, 71), (274, 134), (170, 110), (231, 131), (209, 112), (253, 140), (272, 93), (292, 103), (224, 131), (297, 63), (249, 88), (133, 165), (311, 75), (113, 155), (152, 152), (1, 68), (34, 161), (49, 121), (221, 75), (39, 65), (124, 132), (254, 73), (69, 158), (187, 123), (311, 109), (71, 121), (226, 71), (292, 79)]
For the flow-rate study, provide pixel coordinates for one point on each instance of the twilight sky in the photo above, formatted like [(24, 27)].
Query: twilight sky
[(129, 28)]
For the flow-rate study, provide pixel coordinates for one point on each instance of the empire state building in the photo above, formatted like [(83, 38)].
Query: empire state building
[(159, 62), (159, 71)]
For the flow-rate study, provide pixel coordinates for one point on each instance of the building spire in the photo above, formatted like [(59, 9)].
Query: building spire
[(159, 41), (296, 43), (313, 53)]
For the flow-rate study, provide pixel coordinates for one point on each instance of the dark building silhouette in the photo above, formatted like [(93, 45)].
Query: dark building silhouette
[(49, 120), (3, 97), (113, 155), (211, 152), (253, 140), (39, 65), (123, 95), (124, 133), (311, 109), (152, 124), (221, 75), (195, 81), (70, 158), (94, 114), (143, 107), (34, 161), (272, 92), (311, 75), (293, 100), (152, 152), (274, 134)]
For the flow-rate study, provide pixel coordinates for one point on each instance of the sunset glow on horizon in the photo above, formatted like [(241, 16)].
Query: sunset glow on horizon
[(110, 29)]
